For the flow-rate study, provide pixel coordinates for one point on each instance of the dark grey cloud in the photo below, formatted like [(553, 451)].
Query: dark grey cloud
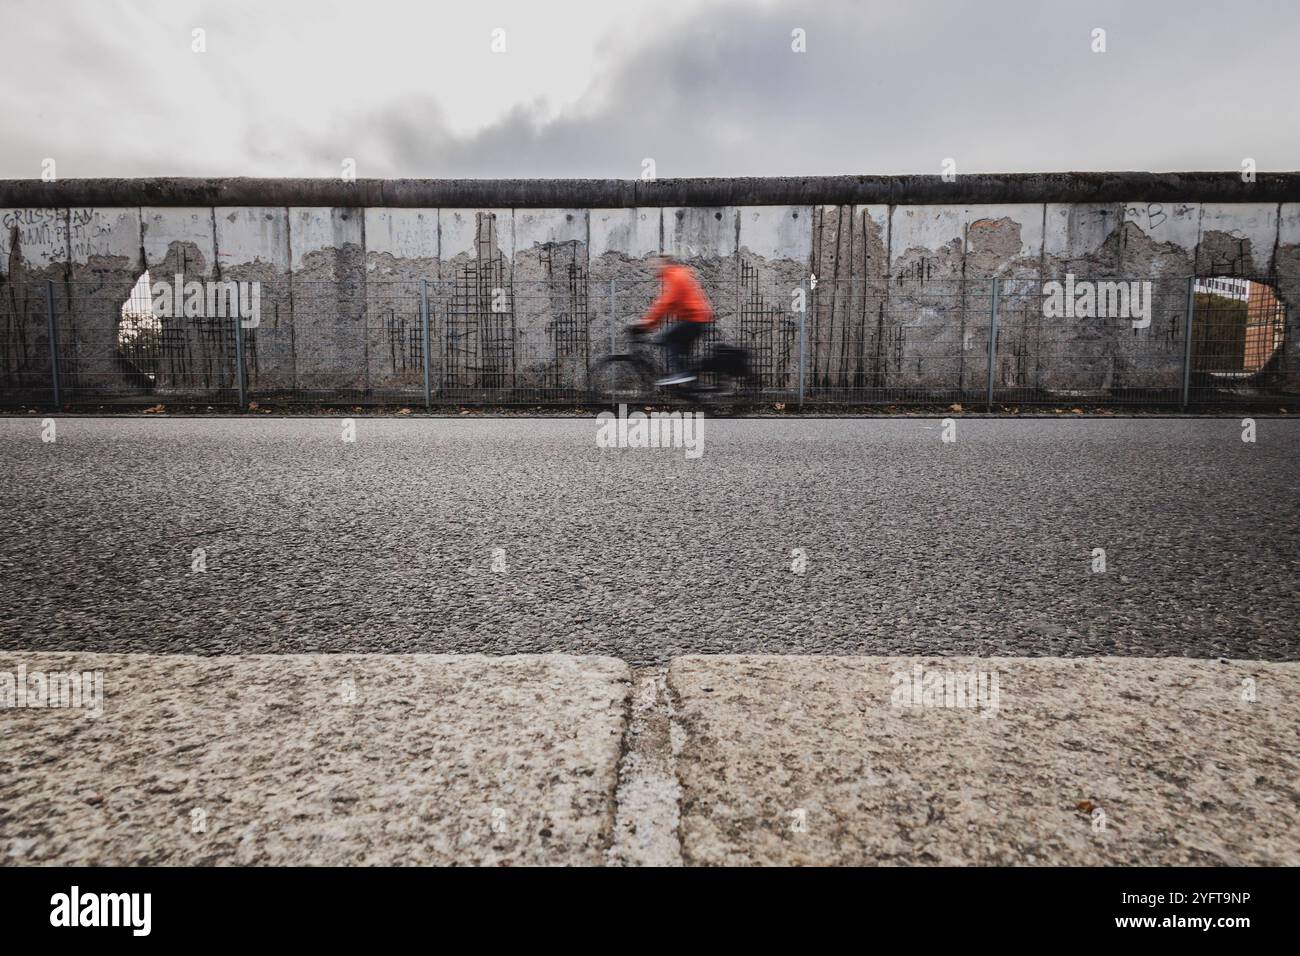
[(898, 88)]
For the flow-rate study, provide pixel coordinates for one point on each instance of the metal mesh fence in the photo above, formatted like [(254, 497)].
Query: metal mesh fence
[(485, 338)]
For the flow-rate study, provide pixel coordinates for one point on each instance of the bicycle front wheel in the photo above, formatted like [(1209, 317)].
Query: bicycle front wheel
[(621, 378)]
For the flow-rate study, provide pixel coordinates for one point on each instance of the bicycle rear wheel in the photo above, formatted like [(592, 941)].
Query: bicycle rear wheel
[(622, 378)]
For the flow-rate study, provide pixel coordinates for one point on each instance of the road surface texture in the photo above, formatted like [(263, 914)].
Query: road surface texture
[(380, 759), (266, 535)]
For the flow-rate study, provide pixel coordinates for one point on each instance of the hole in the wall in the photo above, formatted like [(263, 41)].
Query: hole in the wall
[(139, 336), (1239, 326)]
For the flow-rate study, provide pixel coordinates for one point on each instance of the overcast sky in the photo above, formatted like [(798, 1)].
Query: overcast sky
[(702, 87)]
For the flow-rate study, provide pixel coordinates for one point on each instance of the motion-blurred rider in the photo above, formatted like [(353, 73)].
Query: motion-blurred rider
[(683, 302)]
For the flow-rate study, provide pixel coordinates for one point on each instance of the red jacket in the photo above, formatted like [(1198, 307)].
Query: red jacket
[(681, 297)]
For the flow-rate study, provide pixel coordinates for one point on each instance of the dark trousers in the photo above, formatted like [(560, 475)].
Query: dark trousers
[(679, 340)]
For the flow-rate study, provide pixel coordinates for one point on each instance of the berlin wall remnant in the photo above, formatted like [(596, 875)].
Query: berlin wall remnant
[(896, 273)]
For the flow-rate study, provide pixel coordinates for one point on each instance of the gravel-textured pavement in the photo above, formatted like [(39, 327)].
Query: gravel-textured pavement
[(1120, 761), (913, 546), (326, 760)]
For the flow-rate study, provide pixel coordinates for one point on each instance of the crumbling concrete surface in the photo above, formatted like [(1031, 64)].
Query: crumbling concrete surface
[(422, 759), (315, 759), (1127, 761)]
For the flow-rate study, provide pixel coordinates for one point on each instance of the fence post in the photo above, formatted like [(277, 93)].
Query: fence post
[(54, 342), (424, 332), (803, 335), (240, 381), (993, 346), (1187, 340), (613, 321)]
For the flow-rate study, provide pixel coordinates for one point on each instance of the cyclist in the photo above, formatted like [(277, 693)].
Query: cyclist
[(681, 298)]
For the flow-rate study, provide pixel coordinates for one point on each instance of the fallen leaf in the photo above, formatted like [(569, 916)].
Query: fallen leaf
[(1085, 806), (954, 407)]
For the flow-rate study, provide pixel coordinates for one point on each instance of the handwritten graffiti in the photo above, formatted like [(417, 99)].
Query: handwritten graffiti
[(1148, 217), (53, 234)]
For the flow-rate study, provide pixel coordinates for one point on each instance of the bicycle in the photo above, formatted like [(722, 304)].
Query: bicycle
[(721, 373)]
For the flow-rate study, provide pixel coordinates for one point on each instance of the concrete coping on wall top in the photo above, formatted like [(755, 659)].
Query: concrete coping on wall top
[(619, 193)]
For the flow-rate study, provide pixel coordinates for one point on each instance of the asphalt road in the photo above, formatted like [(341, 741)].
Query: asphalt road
[(912, 546)]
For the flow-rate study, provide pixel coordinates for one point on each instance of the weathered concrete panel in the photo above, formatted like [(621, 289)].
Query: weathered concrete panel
[(776, 234), (252, 241), (1287, 263), (1159, 244), (179, 241), (197, 351), (105, 248), (33, 251), (476, 306), (401, 255), (397, 237), (849, 252), (1077, 354), (1006, 243), (550, 282), (329, 334), (32, 241), (107, 239), (253, 246), (469, 234), (1236, 239), (707, 237), (1160, 238), (93, 256), (774, 251), (632, 233), (933, 307), (1081, 238), (623, 245)]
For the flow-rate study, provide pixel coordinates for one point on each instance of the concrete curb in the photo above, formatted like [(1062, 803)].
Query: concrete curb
[(1129, 761), (316, 759), (555, 759)]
